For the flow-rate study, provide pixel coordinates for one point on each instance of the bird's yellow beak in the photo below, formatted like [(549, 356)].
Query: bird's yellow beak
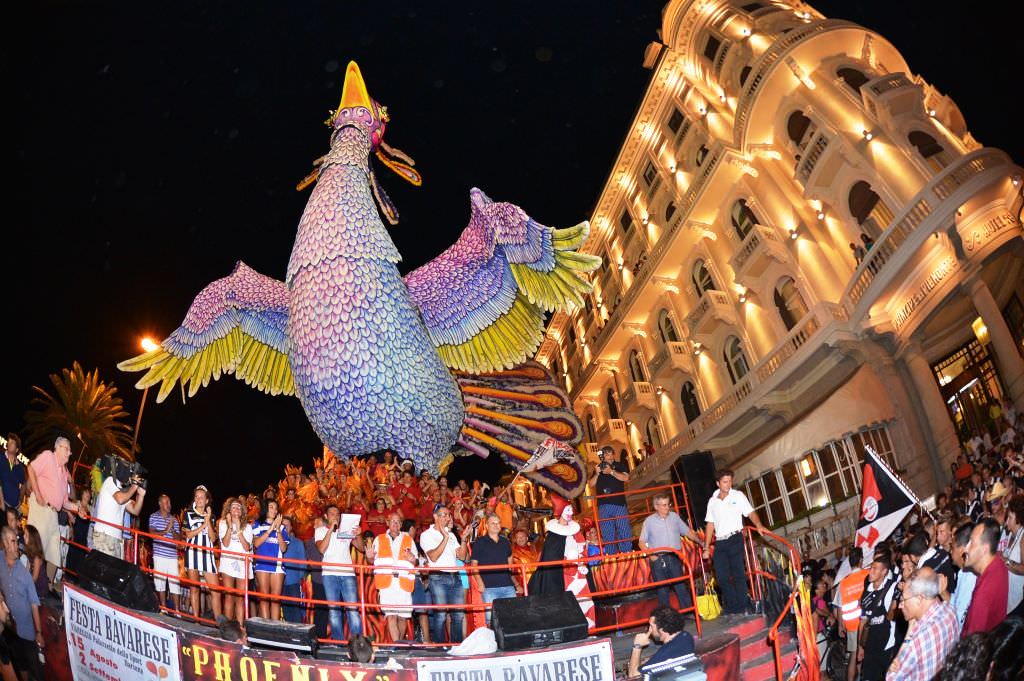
[(354, 93)]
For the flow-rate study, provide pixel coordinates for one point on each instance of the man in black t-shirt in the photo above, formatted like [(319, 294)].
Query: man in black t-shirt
[(666, 627), (609, 481)]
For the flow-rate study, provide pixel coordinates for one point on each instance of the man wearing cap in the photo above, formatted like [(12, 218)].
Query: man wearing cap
[(726, 510), (609, 479), (662, 533)]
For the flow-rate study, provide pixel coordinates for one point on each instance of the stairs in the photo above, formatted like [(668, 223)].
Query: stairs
[(757, 659)]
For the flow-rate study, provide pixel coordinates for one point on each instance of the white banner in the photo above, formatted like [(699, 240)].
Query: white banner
[(106, 643), (586, 662)]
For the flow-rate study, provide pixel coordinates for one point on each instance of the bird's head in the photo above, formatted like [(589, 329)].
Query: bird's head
[(358, 110)]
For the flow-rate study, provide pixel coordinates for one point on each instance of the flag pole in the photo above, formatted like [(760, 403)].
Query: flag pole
[(871, 450)]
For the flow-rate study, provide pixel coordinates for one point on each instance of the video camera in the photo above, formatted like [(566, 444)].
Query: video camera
[(125, 472)]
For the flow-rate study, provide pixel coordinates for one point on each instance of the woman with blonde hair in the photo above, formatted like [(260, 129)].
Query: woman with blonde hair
[(235, 536), (199, 557)]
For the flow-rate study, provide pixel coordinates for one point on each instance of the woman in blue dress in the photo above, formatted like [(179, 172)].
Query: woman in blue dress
[(270, 540)]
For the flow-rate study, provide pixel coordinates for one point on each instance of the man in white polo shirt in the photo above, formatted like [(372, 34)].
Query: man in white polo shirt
[(443, 550), (726, 510)]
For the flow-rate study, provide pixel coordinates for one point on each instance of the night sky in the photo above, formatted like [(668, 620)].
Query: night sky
[(154, 144)]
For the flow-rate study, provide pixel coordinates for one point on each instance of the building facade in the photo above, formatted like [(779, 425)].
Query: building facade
[(806, 253)]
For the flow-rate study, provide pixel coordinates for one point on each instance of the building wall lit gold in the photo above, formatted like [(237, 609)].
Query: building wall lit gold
[(798, 234)]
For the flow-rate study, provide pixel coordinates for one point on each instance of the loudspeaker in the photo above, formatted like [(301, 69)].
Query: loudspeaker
[(118, 581), (277, 634), (697, 472), (537, 620)]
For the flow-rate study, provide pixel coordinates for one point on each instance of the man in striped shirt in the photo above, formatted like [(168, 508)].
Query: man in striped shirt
[(165, 553)]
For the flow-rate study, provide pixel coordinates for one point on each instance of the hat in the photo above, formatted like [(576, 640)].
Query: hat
[(998, 491)]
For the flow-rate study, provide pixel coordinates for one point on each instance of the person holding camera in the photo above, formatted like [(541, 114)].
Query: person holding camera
[(114, 499), (609, 478)]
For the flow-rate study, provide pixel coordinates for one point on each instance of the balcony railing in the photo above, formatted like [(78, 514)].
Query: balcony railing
[(713, 306), (917, 211), (814, 152), (759, 245), (887, 83), (796, 339), (639, 394)]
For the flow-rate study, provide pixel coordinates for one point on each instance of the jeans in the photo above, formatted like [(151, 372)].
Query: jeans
[(730, 571), (343, 588), (616, 529), (492, 592), (293, 612), (667, 566), (446, 588)]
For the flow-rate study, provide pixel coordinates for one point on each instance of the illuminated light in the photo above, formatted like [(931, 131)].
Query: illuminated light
[(805, 468), (722, 97), (980, 330), (697, 348), (793, 234), (743, 297), (646, 220), (745, 31), (672, 167), (821, 214), (629, 423), (931, 112), (149, 345), (660, 389), (621, 264), (1016, 180), (702, 110), (868, 135)]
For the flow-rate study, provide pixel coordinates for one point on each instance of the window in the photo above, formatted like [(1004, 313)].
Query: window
[(868, 209), (789, 303), (653, 433), (702, 154), (625, 221), (794, 488), (852, 77), (571, 330), (796, 127), (612, 404), (691, 407), (711, 47), (735, 359), (591, 429), (675, 121), (929, 148), (744, 74), (701, 278), (773, 498), (556, 368), (650, 174), (834, 481), (666, 328), (743, 218), (636, 367), (670, 210), (756, 496)]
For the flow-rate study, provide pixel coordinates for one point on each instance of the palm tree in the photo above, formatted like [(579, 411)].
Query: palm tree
[(84, 408)]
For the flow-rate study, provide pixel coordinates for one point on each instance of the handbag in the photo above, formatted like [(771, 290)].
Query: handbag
[(708, 604)]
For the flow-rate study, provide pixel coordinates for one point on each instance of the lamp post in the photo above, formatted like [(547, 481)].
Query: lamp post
[(148, 345)]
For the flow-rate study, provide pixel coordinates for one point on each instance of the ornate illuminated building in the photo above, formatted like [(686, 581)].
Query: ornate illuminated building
[(806, 252)]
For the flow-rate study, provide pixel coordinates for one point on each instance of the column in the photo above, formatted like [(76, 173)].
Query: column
[(1008, 359), (938, 422)]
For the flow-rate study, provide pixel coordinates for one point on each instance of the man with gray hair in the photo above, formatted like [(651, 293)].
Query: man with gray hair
[(934, 629), (48, 484)]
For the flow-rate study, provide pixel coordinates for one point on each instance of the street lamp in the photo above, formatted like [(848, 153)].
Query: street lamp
[(148, 345)]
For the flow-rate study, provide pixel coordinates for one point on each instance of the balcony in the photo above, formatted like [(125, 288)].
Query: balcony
[(613, 430), (892, 97), (712, 311), (639, 395), (679, 353), (762, 378), (592, 449), (760, 247)]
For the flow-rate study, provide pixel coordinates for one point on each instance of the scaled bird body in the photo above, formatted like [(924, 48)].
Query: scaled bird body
[(429, 365)]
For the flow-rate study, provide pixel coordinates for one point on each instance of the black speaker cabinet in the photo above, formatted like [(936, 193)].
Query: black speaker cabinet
[(697, 472), (537, 620), (118, 581), (277, 634)]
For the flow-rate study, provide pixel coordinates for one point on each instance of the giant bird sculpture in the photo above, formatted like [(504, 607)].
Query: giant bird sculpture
[(429, 365)]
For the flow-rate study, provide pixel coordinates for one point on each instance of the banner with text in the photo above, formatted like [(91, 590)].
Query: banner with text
[(590, 662), (106, 643)]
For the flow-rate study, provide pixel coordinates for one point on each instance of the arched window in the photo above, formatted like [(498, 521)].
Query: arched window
[(571, 328), (636, 367), (735, 359), (556, 368), (701, 277), (744, 74), (868, 209), (691, 406), (796, 127), (852, 77), (929, 148), (702, 153), (612, 404), (743, 218), (667, 328), (789, 303), (591, 429), (670, 210), (653, 433)]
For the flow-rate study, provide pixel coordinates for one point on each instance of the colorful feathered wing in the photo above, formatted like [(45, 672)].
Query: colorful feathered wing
[(236, 325), (483, 300)]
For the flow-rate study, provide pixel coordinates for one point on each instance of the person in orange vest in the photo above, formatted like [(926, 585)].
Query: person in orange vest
[(847, 599), (394, 555)]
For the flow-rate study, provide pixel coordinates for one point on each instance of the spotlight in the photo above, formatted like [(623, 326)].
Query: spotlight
[(645, 220), (931, 112), (697, 349), (745, 31), (821, 215), (1016, 180), (671, 167), (868, 135), (792, 234), (721, 97), (743, 297)]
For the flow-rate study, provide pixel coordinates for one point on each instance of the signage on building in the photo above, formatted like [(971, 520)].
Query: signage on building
[(981, 234), (946, 267)]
